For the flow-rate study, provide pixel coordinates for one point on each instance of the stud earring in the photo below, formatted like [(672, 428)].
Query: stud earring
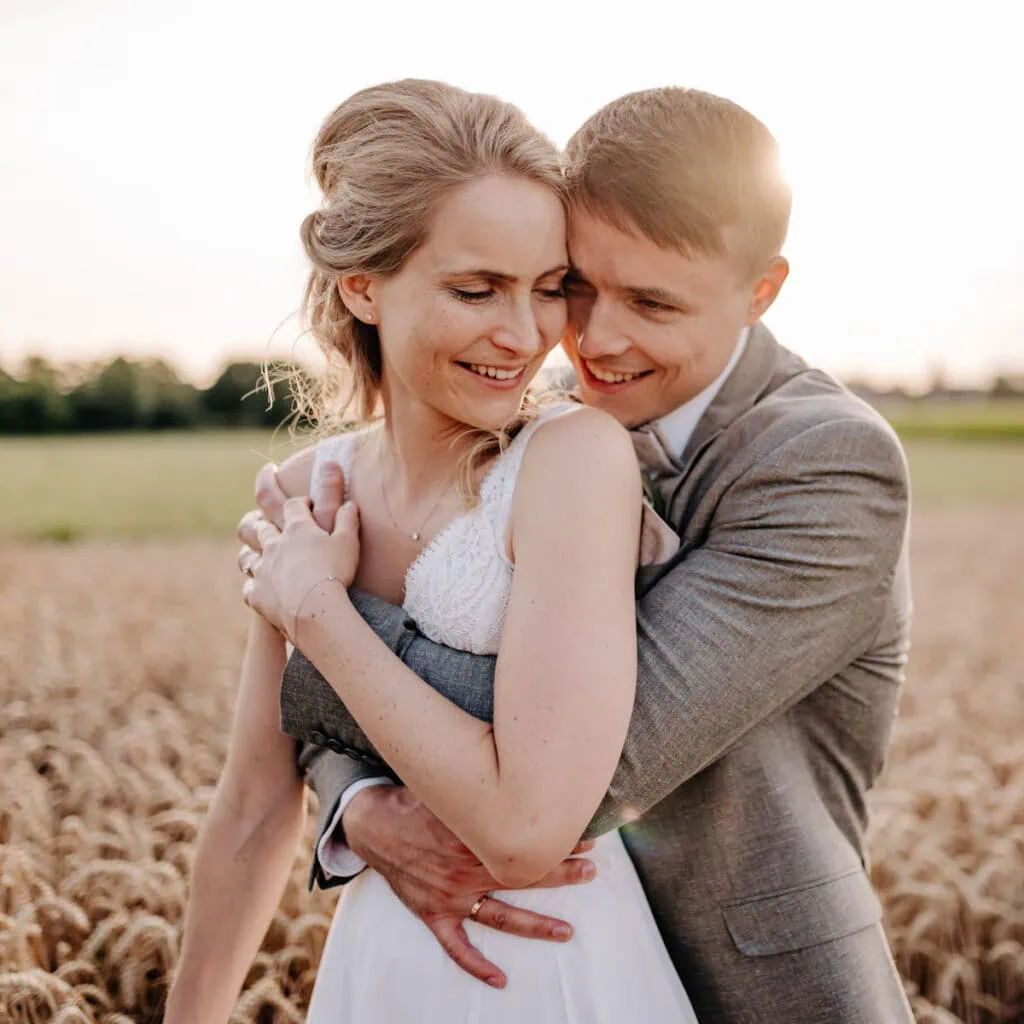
[(369, 318)]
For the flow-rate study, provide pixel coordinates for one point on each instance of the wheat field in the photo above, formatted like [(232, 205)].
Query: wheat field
[(118, 664)]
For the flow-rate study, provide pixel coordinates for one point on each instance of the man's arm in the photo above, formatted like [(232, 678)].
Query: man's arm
[(336, 779), (790, 585)]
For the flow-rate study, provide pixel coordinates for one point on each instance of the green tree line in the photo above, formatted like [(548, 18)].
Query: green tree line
[(147, 394), (125, 394)]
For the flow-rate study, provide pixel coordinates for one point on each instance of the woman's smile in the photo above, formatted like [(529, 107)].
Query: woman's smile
[(503, 378)]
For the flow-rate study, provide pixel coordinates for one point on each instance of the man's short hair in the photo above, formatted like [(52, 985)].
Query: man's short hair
[(690, 170)]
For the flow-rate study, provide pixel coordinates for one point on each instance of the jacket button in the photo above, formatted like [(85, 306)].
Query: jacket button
[(336, 745), (318, 738), (410, 624)]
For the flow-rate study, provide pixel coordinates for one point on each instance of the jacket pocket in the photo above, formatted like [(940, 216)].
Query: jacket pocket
[(802, 917)]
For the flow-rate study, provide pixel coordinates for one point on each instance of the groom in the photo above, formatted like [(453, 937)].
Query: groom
[(772, 645)]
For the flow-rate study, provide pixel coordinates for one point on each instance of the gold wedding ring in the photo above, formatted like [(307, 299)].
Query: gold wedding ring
[(475, 909)]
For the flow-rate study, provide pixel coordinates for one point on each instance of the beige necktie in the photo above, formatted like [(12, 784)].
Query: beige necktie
[(658, 541), (650, 450)]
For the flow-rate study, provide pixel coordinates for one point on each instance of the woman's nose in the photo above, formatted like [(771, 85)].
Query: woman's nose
[(520, 333)]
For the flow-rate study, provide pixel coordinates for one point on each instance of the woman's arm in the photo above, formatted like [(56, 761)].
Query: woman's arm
[(518, 793), (247, 845)]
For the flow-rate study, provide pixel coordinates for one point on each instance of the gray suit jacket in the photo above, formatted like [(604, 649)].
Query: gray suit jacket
[(771, 649)]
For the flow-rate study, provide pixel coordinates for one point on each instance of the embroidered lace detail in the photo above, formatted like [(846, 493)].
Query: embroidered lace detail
[(458, 587)]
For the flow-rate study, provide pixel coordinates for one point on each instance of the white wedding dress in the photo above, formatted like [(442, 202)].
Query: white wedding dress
[(381, 964)]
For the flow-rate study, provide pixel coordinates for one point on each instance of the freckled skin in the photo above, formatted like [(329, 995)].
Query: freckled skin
[(513, 227)]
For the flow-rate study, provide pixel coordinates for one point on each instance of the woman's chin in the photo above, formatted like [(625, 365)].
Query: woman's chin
[(494, 414), (484, 407)]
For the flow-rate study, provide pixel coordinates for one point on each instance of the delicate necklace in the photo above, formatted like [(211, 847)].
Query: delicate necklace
[(416, 534)]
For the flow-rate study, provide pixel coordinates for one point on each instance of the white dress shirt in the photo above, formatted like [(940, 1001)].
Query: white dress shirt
[(674, 430)]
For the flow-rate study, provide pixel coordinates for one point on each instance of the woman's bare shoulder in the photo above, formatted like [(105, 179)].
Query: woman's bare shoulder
[(581, 432)]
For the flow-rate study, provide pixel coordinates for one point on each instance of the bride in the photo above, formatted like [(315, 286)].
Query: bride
[(503, 527)]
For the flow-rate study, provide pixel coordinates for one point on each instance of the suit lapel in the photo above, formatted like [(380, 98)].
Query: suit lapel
[(761, 368)]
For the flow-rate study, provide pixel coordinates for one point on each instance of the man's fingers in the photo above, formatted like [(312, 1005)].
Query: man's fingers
[(584, 846), (503, 917), (572, 871), (328, 495), (452, 936), (269, 495)]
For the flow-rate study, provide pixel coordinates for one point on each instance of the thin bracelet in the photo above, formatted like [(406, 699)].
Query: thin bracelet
[(295, 628)]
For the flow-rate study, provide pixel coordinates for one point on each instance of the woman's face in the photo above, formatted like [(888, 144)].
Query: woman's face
[(468, 320)]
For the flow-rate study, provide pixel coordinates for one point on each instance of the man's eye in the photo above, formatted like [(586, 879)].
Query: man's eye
[(653, 306), (466, 296)]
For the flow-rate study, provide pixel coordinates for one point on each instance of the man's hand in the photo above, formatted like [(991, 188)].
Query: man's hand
[(439, 879)]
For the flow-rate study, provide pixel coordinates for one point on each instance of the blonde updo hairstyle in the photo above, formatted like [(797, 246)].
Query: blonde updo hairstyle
[(384, 159)]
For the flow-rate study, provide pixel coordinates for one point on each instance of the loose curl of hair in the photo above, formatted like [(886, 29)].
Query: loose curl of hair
[(384, 159)]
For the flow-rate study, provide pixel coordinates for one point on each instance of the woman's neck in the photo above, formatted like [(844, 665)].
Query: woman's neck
[(419, 448)]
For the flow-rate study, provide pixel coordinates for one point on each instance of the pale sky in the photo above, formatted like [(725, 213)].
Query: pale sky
[(153, 158)]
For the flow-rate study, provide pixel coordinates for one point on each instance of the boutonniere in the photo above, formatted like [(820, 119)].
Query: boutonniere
[(653, 494)]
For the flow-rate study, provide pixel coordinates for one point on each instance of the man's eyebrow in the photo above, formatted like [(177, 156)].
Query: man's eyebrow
[(662, 295), (653, 292)]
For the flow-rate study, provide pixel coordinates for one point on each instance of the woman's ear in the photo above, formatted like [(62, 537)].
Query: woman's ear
[(357, 292)]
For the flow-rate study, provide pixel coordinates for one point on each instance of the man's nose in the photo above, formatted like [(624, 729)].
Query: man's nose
[(599, 335)]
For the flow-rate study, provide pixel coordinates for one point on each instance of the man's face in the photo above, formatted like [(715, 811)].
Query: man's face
[(653, 327)]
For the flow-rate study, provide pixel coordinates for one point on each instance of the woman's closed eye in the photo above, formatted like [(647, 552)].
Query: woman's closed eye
[(548, 292), (466, 295), (552, 291)]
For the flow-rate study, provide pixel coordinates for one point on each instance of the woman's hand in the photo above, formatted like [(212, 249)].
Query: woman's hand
[(294, 560)]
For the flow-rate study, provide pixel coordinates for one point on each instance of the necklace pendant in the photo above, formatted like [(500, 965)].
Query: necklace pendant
[(415, 536)]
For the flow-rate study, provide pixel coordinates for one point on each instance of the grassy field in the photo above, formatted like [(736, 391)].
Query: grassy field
[(181, 484), (957, 419), (131, 485)]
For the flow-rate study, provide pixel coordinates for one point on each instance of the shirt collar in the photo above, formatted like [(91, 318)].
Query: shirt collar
[(674, 429)]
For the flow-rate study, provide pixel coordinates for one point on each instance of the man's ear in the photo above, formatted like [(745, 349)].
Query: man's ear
[(767, 288), (358, 292)]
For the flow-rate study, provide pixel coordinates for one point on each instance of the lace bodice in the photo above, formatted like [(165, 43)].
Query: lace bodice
[(458, 587)]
